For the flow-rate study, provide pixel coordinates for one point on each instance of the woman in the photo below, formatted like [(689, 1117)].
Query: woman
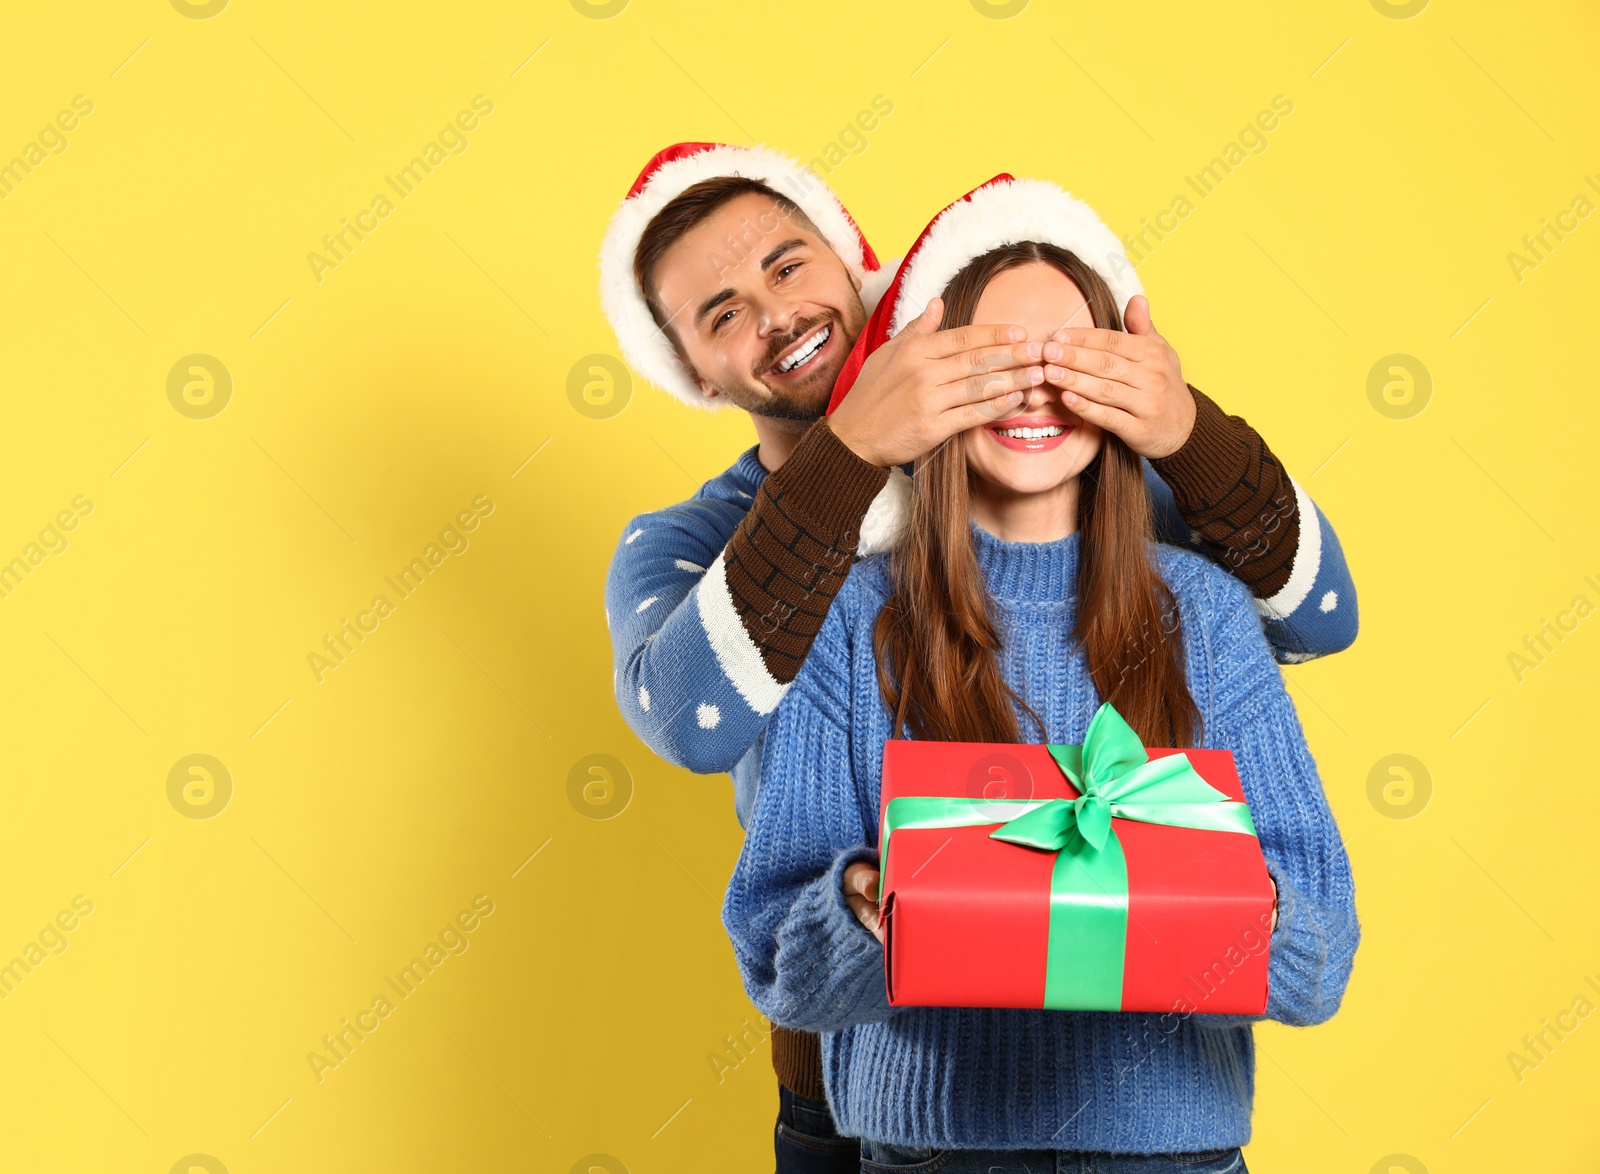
[(1024, 591)]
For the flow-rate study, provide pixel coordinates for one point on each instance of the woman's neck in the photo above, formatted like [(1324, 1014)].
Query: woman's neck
[(1024, 517)]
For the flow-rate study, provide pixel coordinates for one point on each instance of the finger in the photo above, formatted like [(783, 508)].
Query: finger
[(958, 366), (1113, 420), (1137, 317), (865, 882), (987, 386), (928, 321), (1128, 346), (968, 338), (866, 911), (1104, 365), (958, 419), (1110, 392)]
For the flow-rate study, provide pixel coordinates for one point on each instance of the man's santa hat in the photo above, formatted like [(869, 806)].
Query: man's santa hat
[(672, 171), (1004, 211)]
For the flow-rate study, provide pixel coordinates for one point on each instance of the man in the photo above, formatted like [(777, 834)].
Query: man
[(733, 277)]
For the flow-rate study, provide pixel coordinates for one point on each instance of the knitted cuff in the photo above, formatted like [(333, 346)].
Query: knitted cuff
[(830, 965), (1236, 496), (797, 1059), (790, 555), (826, 486), (1210, 464)]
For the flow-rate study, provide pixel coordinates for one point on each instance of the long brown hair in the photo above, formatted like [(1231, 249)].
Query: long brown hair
[(936, 641)]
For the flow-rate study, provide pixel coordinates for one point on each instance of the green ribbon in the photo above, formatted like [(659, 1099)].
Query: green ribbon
[(1089, 883)]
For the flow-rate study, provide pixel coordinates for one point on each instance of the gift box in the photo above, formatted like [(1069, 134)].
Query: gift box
[(1104, 877)]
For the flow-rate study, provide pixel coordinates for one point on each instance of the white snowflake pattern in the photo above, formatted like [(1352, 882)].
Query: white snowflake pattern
[(645, 604), (708, 715), (1329, 601), (628, 541), (644, 699)]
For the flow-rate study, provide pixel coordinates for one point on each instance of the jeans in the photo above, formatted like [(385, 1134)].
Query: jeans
[(880, 1158), (805, 1140)]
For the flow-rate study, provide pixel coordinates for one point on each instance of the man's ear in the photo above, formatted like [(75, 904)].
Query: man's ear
[(855, 278), (706, 389)]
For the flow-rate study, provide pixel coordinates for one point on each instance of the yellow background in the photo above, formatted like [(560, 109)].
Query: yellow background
[(371, 407)]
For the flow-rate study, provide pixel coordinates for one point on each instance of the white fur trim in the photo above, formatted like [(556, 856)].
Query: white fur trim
[(1307, 561), (644, 345), (875, 285), (736, 653), (1005, 213), (887, 516)]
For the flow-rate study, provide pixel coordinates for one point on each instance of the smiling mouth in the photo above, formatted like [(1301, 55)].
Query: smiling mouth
[(804, 352), (1030, 435)]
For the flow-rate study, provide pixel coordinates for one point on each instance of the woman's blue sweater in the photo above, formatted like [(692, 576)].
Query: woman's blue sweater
[(1011, 1079)]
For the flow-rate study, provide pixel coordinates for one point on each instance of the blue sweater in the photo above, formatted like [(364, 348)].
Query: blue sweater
[(695, 690), (979, 1079)]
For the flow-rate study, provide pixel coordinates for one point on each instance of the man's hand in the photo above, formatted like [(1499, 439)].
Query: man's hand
[(1129, 384), (860, 884), (925, 385)]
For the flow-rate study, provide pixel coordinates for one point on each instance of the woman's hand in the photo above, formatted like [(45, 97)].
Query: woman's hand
[(860, 884), (1274, 885), (1129, 384)]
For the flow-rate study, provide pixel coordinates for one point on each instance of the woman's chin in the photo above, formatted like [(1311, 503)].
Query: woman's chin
[(1030, 473)]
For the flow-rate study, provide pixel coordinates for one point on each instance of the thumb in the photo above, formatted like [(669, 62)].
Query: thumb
[(1137, 318), (928, 321)]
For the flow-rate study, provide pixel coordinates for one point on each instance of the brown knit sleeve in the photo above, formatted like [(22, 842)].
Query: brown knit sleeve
[(797, 1059), (1231, 490), (790, 555)]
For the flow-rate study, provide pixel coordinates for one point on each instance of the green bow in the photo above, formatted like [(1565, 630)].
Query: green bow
[(1089, 884)]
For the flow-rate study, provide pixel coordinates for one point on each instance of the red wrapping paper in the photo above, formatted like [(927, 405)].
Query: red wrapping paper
[(967, 917)]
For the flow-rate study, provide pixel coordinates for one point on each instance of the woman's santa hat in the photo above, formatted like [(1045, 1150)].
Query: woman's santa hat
[(667, 176), (1004, 211)]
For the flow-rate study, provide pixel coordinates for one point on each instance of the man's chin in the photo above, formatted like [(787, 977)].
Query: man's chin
[(805, 400)]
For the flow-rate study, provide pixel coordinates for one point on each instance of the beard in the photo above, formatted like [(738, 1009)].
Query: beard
[(808, 399)]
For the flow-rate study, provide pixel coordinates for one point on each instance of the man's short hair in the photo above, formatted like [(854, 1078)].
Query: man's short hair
[(685, 212)]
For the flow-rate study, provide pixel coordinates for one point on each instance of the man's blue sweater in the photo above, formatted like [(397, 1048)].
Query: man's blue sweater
[(1014, 1079), (693, 687)]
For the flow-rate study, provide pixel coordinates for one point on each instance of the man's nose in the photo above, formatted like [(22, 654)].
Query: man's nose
[(775, 315)]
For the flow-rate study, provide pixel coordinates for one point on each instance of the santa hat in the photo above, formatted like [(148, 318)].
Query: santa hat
[(1004, 211), (672, 171)]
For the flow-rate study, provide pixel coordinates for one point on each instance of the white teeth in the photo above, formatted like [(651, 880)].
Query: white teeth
[(805, 352), (1032, 433)]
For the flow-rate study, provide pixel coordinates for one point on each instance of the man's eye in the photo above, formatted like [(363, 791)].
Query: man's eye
[(788, 269), (721, 318)]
